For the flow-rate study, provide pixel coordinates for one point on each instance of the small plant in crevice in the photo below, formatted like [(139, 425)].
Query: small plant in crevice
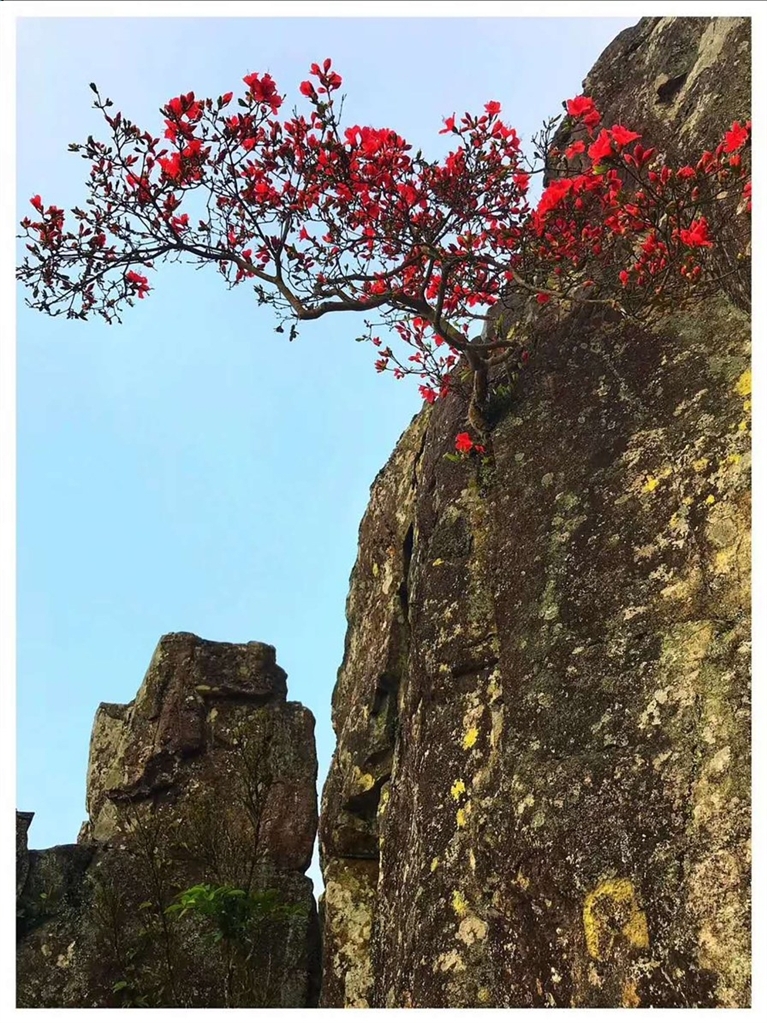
[(242, 923)]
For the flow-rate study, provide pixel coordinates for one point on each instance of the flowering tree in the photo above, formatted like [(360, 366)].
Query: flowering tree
[(320, 219)]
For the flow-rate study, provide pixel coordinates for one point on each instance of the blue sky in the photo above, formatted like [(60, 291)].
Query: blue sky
[(191, 470)]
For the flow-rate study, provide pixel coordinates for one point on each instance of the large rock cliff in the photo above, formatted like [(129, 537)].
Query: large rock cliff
[(207, 778), (540, 790)]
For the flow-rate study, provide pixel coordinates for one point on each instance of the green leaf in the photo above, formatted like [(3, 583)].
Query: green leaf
[(120, 985)]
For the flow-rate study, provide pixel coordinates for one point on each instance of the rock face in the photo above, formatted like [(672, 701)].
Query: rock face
[(207, 778), (540, 790)]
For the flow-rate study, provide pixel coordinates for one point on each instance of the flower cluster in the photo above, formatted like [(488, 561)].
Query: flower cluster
[(464, 445), (319, 218)]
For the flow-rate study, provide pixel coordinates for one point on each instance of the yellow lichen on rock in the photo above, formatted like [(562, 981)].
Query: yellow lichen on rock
[(611, 912), (743, 385), (362, 782), (470, 738), (462, 815), (460, 906), (629, 996), (457, 789)]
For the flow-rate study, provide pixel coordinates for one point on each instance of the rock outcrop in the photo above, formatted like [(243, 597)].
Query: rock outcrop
[(208, 778), (540, 790)]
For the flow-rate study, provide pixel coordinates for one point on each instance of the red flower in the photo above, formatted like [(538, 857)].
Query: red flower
[(264, 90), (449, 125), (493, 108), (171, 166), (37, 202), (428, 394), (463, 443), (140, 282), (575, 148), (180, 223), (522, 181), (736, 137), (192, 149), (226, 98), (580, 106), (592, 120), (696, 236), (686, 172), (624, 277), (554, 194), (185, 105), (602, 147), (622, 136), (306, 89), (542, 299), (479, 448)]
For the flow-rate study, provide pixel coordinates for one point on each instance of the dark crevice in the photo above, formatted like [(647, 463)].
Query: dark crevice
[(407, 557), (388, 683), (668, 89)]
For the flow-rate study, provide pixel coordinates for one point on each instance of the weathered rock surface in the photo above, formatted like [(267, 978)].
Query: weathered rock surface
[(207, 777), (540, 790)]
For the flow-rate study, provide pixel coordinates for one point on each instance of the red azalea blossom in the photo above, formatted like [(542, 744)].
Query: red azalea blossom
[(686, 172), (696, 236), (263, 89), (602, 148), (180, 223), (575, 148), (463, 443), (306, 89), (449, 125), (622, 136), (185, 106), (141, 283), (580, 106), (736, 137), (493, 108), (171, 166), (428, 394), (592, 120), (554, 194), (37, 202)]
